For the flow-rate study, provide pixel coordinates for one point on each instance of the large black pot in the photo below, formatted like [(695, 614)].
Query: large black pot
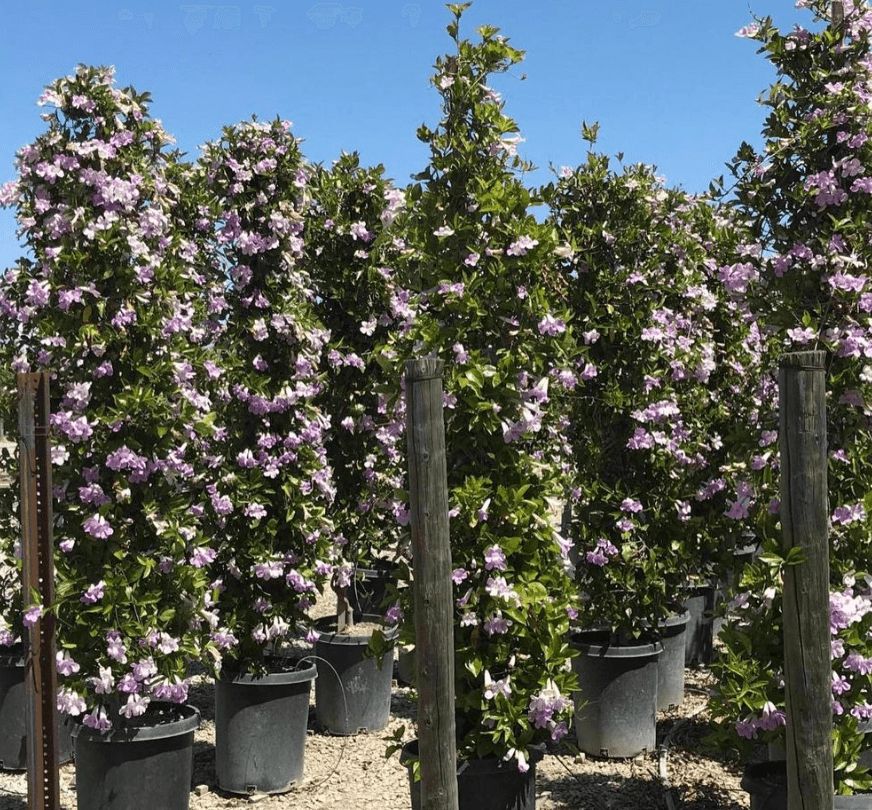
[(670, 663), (699, 637), (368, 591), (766, 785), (353, 690), (143, 766), (260, 729), (13, 717), (616, 701), (484, 784)]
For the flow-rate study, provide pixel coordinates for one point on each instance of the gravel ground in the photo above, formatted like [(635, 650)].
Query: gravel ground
[(352, 771)]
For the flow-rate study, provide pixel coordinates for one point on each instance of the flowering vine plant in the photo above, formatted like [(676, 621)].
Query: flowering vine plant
[(273, 484), (351, 251), (110, 303), (748, 702), (651, 414), (806, 200), (481, 267)]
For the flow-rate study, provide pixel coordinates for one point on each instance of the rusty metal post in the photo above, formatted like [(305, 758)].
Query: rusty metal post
[(43, 787)]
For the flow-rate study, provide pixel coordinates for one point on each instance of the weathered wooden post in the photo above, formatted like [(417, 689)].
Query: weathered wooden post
[(434, 601), (805, 525), (43, 788)]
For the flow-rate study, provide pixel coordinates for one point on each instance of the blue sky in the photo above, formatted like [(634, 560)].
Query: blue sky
[(667, 80)]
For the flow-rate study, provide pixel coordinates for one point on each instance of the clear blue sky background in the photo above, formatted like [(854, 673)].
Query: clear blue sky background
[(667, 80)]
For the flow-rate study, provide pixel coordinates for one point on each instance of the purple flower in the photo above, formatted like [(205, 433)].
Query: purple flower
[(37, 293), (499, 588), (746, 728), (596, 557), (494, 558), (94, 593), (97, 719), (857, 663), (97, 526), (168, 644), (521, 246), (458, 575), (840, 684), (65, 664), (135, 706), (550, 325), (69, 702), (493, 688), (270, 570), (772, 717), (222, 504), (129, 684), (496, 624), (115, 647), (849, 514), (202, 556), (862, 711), (255, 510)]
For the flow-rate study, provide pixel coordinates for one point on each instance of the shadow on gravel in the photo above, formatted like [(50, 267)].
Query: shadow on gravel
[(204, 764), (707, 797), (202, 697), (12, 802), (401, 706), (602, 792), (615, 792)]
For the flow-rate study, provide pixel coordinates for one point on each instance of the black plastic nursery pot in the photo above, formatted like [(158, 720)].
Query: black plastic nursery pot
[(699, 637), (13, 717), (145, 766), (766, 785), (368, 591), (407, 666), (260, 729), (616, 702), (670, 663), (483, 784), (353, 689)]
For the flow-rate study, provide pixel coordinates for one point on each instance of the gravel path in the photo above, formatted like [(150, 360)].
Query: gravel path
[(344, 772)]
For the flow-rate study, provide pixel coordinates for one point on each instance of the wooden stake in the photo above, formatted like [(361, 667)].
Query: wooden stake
[(805, 524), (837, 13), (43, 788), (434, 600)]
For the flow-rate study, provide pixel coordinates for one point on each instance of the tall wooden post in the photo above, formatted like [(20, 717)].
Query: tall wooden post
[(43, 788), (805, 524), (434, 600)]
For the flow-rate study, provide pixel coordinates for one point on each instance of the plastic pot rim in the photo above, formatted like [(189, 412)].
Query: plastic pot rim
[(309, 673), (188, 722), (476, 767), (596, 649), (328, 637)]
